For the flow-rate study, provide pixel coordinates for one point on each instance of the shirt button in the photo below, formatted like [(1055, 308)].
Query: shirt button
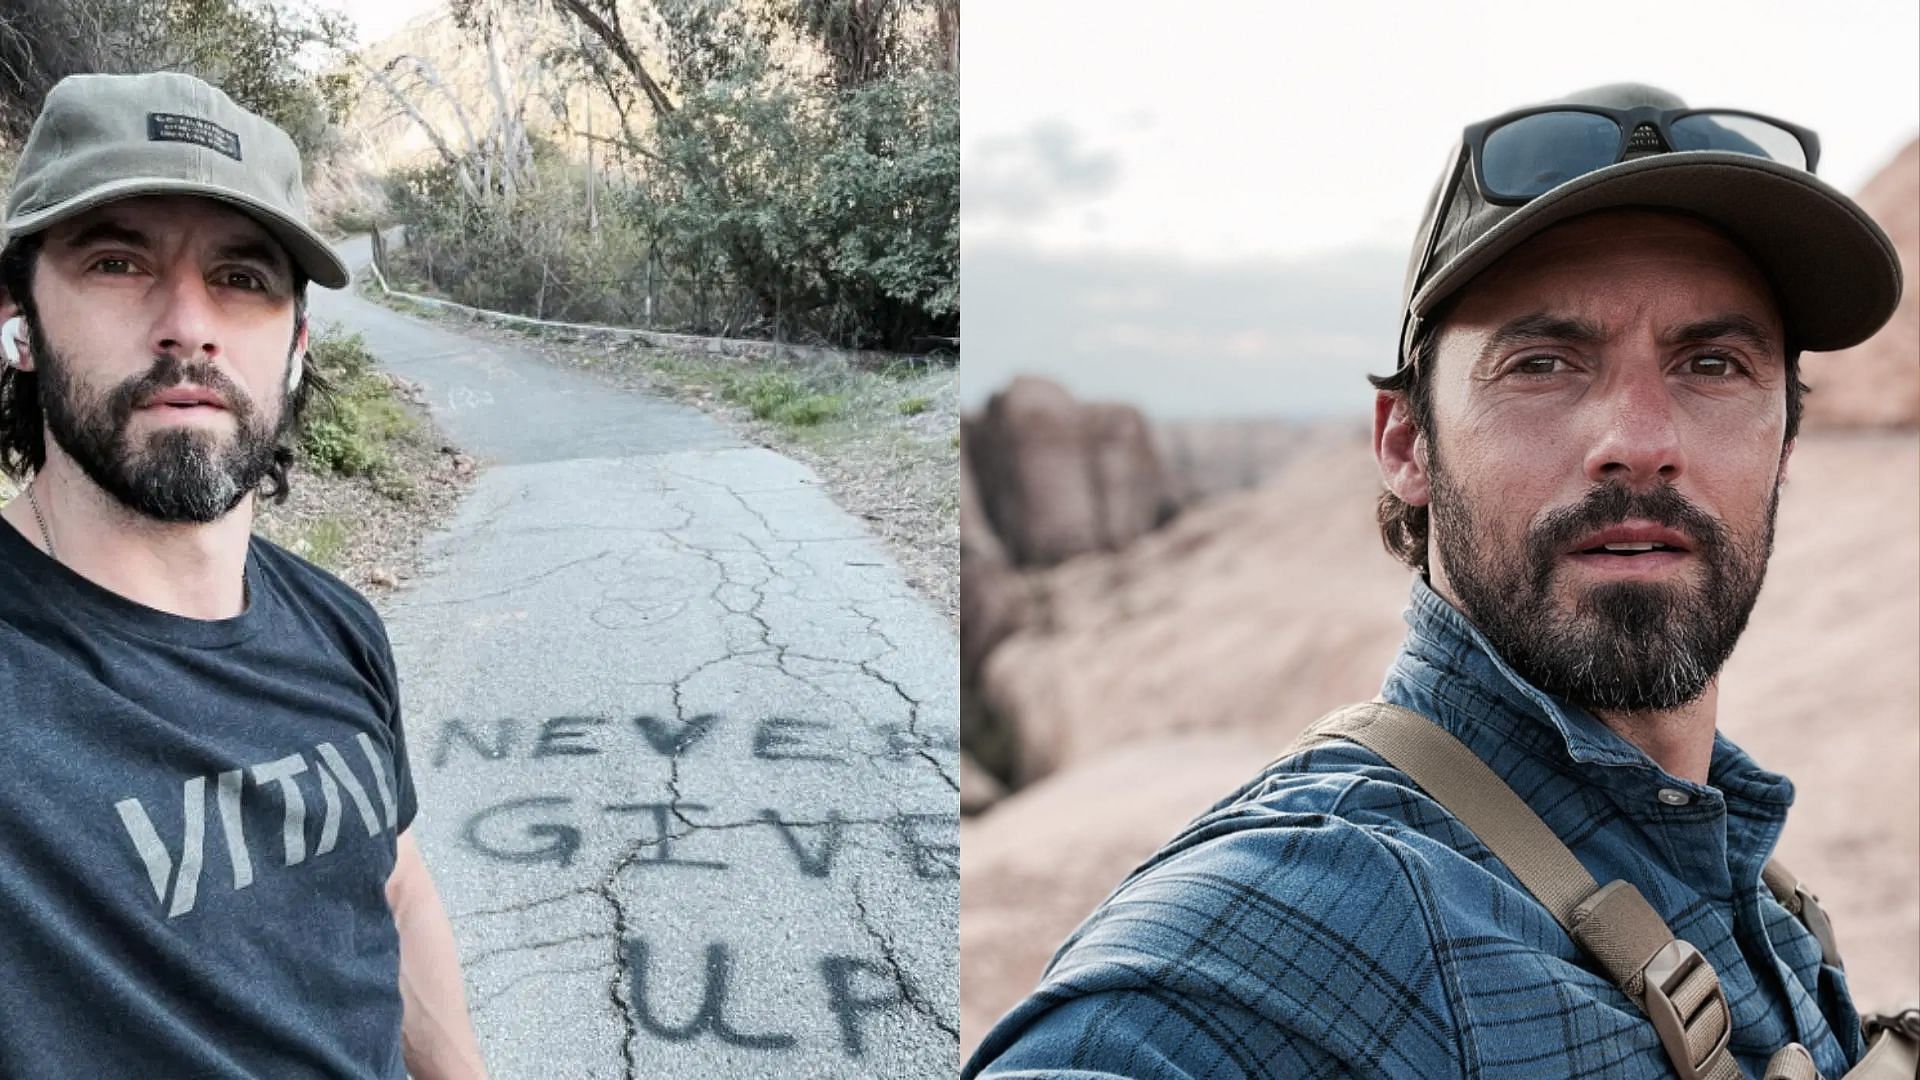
[(1674, 797)]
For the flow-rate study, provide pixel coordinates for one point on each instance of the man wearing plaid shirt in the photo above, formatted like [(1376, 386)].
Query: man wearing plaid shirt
[(1582, 450)]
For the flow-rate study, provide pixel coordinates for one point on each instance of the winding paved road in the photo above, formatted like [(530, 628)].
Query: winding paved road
[(685, 742)]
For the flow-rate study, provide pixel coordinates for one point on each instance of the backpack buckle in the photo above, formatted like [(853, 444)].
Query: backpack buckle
[(1814, 918), (1688, 1008), (1905, 1022)]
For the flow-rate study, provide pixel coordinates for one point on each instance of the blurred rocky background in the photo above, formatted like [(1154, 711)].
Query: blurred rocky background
[(1152, 611)]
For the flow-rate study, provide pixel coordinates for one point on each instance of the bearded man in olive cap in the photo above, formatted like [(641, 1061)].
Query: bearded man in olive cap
[(206, 866)]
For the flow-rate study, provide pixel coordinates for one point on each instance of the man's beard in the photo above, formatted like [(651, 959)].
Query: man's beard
[(1625, 646), (179, 474)]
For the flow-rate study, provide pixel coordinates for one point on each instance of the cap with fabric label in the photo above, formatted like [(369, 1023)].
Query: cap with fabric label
[(101, 138), (172, 127)]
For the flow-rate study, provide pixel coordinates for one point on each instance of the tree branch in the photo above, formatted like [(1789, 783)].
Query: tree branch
[(617, 41)]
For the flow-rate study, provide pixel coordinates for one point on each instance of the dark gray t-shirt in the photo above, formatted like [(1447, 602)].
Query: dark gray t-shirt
[(197, 821)]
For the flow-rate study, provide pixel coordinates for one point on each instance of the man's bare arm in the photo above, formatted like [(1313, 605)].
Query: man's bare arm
[(435, 1031)]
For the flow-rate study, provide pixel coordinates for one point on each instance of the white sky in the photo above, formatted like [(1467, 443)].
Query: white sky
[(1255, 129), (1205, 208), (378, 18)]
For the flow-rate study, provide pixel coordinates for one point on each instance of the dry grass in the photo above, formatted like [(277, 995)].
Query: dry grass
[(368, 528)]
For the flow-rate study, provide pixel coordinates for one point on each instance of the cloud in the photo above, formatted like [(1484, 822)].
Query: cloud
[(1182, 340), (1025, 176)]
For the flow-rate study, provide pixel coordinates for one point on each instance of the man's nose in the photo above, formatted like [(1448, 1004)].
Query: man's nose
[(1638, 438), (186, 325)]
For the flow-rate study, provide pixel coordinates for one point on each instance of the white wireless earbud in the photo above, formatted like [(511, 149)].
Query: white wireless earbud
[(295, 364), (10, 340)]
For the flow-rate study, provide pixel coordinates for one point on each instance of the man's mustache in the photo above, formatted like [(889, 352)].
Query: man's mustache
[(1611, 504), (170, 371)]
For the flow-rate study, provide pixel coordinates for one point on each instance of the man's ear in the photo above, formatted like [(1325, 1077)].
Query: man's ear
[(17, 348), (297, 357), (1400, 448)]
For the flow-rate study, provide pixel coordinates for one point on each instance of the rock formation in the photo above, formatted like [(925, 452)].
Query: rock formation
[(1060, 478), (1877, 383)]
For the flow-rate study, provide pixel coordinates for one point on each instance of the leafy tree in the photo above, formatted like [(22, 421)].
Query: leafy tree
[(249, 48), (795, 173), (833, 200)]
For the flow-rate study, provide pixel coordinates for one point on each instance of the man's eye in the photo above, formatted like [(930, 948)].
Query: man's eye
[(1713, 366), (246, 279), (1544, 364), (107, 265)]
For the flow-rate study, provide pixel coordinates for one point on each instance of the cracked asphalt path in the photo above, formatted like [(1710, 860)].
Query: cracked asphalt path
[(685, 743)]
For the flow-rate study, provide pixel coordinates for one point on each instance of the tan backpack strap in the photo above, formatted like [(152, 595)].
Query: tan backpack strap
[(1792, 1062), (1665, 975), (1893, 1052), (1457, 779), (1783, 883), (1794, 895)]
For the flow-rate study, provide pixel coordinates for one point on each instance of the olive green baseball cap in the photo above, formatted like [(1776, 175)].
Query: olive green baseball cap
[(100, 138)]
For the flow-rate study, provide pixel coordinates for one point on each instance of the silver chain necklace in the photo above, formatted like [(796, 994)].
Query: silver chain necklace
[(246, 590), (44, 534)]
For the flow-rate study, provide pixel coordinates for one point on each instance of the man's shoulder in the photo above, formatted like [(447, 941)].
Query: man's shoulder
[(318, 591), (1337, 794), (1323, 856), (1303, 905)]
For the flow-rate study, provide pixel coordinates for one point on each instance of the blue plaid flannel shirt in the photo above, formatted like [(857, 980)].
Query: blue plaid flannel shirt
[(1328, 919)]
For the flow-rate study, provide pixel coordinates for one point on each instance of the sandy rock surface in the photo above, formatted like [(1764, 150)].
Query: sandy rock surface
[(1825, 687), (1256, 612), (1877, 383), (1060, 477), (993, 604), (978, 787)]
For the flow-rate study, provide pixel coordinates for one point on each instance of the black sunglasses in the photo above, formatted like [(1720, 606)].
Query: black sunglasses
[(1524, 154)]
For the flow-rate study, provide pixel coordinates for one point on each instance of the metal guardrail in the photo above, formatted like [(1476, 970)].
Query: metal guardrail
[(742, 348)]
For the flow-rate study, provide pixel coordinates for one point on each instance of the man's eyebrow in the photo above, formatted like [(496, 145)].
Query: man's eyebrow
[(1541, 326), (109, 232), (1722, 327), (252, 250)]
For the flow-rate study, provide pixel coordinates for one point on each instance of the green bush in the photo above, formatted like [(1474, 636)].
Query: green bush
[(781, 397), (773, 203), (325, 540), (811, 410), (836, 207), (333, 445), (347, 430)]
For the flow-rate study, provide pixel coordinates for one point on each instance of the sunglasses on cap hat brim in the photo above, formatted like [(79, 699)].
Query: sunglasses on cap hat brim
[(1523, 154)]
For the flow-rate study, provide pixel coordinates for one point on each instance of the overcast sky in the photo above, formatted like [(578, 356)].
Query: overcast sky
[(378, 18), (1136, 188), (1205, 209)]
